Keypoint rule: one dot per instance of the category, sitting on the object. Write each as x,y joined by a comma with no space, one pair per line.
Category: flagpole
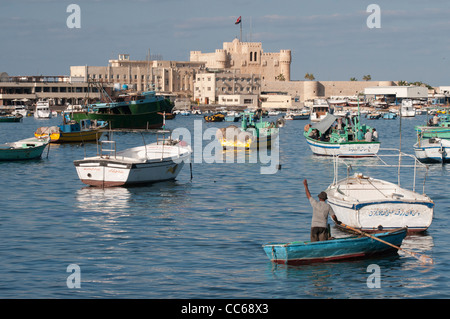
240,24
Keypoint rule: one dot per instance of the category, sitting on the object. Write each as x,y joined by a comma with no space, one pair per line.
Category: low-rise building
60,89
209,86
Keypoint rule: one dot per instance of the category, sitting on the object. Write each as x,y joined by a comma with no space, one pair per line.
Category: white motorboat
20,109
43,110
319,110
407,109
303,114
159,161
372,205
432,150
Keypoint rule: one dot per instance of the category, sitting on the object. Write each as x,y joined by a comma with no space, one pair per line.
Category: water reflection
103,200
118,200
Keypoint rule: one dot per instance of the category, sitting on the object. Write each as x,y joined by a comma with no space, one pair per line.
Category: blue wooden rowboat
300,252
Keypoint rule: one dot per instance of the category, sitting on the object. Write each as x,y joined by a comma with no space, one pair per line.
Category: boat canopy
325,124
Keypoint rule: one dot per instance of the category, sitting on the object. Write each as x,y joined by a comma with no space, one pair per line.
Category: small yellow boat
85,131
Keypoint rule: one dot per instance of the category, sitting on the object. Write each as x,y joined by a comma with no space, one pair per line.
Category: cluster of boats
382,212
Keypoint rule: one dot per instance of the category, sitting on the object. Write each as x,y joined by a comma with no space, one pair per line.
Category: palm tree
309,76
353,79
402,83
280,77
367,77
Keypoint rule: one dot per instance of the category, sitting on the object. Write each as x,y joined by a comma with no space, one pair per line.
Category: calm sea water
198,238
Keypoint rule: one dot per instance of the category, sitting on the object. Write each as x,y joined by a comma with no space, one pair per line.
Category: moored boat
85,131
389,116
438,126
10,117
159,161
43,110
319,110
407,108
372,205
340,136
30,148
297,115
305,252
432,150
251,135
21,109
218,117
129,111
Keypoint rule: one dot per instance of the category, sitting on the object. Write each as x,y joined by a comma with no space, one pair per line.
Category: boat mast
400,147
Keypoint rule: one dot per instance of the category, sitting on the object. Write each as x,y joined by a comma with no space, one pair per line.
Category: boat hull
109,173
150,120
436,152
73,137
298,253
11,118
346,149
146,112
373,205
22,150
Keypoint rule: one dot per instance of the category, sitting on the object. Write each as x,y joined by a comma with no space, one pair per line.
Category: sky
329,38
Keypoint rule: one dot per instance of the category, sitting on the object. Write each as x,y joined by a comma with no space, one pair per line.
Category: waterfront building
61,90
175,77
394,94
209,86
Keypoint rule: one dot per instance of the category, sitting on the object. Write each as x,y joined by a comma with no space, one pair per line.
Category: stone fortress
247,58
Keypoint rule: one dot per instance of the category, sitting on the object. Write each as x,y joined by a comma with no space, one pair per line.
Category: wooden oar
423,258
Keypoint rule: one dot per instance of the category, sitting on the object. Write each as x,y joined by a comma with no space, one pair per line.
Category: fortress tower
248,58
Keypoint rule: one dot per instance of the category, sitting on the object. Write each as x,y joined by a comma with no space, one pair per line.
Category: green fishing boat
254,133
129,111
438,126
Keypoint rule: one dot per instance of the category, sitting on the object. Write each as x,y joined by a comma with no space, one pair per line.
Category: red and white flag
238,20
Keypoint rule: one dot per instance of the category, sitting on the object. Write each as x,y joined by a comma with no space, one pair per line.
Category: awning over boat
325,124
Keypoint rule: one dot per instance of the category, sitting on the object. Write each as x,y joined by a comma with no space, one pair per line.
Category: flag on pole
238,20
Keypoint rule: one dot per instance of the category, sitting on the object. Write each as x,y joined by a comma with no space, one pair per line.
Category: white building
209,86
407,92
279,101
246,100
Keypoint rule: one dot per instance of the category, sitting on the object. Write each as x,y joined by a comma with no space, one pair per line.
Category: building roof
398,91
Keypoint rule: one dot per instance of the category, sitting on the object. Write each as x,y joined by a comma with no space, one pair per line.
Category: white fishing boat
407,109
159,161
340,136
432,150
43,110
319,110
372,205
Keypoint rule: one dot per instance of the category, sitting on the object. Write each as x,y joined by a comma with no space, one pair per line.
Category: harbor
216,216
220,159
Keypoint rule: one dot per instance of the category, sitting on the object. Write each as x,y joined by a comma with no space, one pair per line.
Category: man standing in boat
321,210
